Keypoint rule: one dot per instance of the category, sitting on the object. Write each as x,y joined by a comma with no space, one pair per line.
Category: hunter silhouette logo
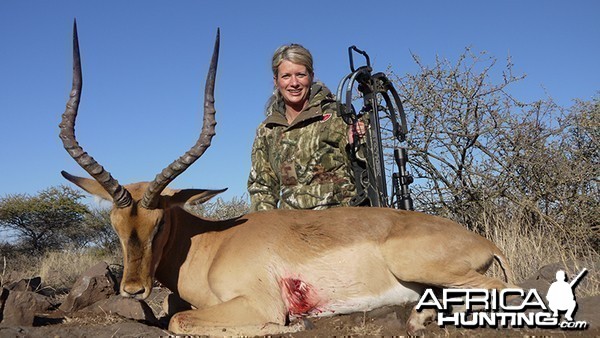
515,308
561,296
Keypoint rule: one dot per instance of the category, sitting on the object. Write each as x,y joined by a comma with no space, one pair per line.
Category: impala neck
183,228
174,251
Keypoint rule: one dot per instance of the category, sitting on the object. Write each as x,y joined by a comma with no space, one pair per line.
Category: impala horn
152,194
121,197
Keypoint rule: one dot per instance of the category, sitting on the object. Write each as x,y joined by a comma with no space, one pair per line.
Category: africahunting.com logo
516,308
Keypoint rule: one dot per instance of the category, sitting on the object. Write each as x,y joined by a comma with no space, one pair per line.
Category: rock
21,307
96,284
32,284
546,275
588,309
3,297
126,307
540,285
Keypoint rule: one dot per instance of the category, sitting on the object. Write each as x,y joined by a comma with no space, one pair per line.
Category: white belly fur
351,279
395,296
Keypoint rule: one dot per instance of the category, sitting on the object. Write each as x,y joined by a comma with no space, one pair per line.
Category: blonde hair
294,53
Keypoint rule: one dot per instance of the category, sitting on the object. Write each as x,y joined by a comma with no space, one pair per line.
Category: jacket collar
318,94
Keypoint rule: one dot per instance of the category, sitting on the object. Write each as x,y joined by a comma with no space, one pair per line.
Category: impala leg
234,317
418,320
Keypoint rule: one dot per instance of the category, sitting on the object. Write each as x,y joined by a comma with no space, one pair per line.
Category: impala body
255,273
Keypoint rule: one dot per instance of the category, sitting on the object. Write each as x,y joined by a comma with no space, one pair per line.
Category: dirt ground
388,321
359,324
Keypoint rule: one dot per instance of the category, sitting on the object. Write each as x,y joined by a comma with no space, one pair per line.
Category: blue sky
144,65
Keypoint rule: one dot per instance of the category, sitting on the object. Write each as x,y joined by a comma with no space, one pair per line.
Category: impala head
138,211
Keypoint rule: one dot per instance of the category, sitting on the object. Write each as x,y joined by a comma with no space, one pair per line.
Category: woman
300,153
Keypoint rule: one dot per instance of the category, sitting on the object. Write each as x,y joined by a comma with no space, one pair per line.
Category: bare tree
221,209
476,149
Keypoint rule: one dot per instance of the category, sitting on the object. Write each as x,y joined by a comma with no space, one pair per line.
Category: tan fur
232,272
255,274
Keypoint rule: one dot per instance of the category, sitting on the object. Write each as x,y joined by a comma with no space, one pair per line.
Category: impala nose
133,290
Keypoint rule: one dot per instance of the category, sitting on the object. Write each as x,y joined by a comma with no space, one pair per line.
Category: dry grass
94,319
16,267
61,269
529,248
57,269
366,328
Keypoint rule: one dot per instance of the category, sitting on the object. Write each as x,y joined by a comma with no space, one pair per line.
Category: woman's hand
356,130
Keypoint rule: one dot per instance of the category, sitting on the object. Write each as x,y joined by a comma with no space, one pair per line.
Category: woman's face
293,82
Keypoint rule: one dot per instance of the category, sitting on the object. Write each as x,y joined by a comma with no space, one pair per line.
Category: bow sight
368,162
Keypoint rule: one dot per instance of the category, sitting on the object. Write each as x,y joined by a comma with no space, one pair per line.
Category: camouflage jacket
304,165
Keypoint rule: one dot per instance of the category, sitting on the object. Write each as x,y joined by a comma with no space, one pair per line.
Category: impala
259,272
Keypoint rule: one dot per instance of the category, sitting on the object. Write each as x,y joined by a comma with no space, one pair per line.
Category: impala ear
194,196
89,185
